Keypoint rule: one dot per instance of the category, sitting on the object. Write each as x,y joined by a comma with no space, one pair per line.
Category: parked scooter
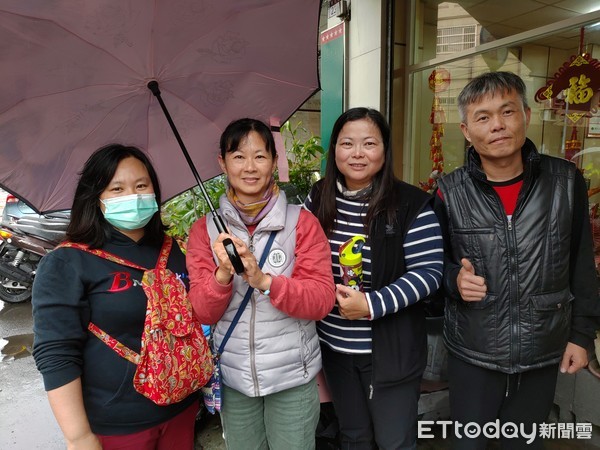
22,245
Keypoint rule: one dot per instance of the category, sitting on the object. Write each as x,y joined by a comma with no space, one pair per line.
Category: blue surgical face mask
130,212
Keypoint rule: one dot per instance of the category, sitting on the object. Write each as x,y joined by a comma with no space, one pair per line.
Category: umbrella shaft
153,86
234,257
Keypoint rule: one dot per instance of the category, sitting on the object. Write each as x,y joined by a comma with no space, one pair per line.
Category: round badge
277,258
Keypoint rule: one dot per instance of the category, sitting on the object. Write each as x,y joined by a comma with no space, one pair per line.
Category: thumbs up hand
472,287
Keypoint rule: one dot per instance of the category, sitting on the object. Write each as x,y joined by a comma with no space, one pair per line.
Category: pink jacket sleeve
310,292
209,298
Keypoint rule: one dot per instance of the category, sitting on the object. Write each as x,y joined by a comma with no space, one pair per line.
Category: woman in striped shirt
373,342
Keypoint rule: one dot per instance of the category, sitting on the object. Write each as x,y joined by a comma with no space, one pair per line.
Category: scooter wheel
18,294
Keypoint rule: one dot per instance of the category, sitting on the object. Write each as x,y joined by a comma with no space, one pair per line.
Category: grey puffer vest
268,351
524,320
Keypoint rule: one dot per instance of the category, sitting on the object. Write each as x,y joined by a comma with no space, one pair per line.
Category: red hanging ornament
572,145
439,80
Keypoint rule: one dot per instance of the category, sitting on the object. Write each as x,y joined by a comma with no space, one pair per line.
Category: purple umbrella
75,76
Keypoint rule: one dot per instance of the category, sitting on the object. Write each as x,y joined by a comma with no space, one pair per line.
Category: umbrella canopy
74,77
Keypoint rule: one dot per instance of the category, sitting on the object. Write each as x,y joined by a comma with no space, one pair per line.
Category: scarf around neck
252,213
360,194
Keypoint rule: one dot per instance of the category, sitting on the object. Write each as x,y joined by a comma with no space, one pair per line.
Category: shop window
455,39
556,127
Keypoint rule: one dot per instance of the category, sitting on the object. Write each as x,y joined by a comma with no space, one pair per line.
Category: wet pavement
26,420
209,434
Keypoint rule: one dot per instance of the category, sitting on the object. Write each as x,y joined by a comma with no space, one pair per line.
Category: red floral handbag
175,358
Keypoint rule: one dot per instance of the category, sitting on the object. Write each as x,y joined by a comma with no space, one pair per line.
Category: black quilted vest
524,320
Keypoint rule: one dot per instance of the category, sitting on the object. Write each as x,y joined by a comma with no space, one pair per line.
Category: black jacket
538,266
399,341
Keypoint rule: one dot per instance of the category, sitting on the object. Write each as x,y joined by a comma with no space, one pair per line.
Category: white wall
365,54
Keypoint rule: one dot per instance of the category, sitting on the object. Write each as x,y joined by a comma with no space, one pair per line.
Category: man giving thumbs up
521,288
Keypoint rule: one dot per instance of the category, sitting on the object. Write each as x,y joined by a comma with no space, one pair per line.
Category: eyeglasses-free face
359,153
249,168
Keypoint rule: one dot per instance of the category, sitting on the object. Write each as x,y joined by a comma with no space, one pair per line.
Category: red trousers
174,434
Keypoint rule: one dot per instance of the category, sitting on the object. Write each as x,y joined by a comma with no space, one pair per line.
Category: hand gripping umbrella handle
234,257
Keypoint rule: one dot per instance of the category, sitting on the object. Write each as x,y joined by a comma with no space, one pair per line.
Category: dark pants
481,396
387,420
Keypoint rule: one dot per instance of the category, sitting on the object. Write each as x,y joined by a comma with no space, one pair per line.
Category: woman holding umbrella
270,397
374,340
90,387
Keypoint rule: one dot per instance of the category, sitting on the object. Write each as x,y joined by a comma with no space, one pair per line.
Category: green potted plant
180,213
304,154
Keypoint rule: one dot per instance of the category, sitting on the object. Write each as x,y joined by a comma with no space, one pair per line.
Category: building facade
411,58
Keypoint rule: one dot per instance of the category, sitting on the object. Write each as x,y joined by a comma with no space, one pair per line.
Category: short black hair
88,225
490,83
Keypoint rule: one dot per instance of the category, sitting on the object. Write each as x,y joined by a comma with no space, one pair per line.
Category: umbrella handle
234,257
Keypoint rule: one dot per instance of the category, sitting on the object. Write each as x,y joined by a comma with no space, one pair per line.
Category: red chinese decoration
439,80
578,79
574,86
573,145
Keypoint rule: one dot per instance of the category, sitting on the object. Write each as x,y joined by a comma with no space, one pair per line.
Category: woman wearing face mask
270,397
90,387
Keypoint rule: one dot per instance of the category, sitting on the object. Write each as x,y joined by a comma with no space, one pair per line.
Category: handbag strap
160,264
246,299
121,349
